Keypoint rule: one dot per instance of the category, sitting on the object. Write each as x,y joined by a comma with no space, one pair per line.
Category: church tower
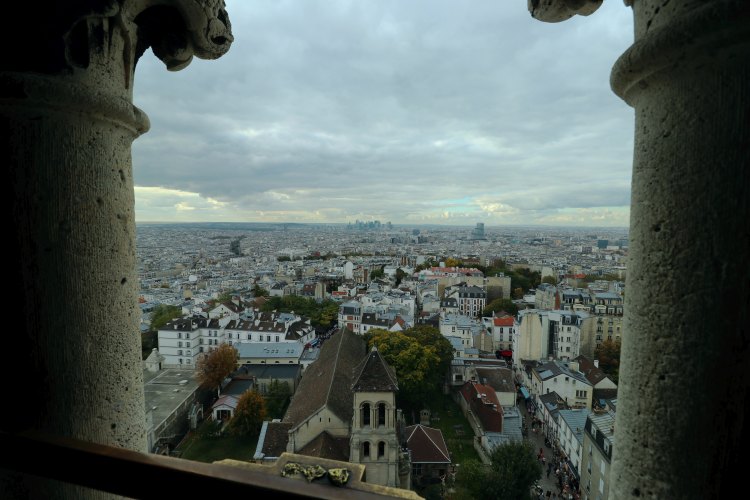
374,439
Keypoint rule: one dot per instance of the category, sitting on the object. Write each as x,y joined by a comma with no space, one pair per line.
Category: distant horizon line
382,224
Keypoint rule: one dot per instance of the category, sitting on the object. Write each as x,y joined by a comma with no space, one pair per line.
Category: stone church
345,409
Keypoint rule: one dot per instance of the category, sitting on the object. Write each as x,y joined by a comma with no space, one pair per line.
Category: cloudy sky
414,112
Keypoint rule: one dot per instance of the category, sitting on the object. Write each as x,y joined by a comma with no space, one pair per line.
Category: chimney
596,363
574,366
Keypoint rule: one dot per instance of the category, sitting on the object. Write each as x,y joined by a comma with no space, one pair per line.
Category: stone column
67,123
684,371
684,374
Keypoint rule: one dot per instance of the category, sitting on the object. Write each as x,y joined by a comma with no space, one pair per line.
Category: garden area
446,415
208,443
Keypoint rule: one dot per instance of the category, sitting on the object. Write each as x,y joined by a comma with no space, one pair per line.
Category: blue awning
524,392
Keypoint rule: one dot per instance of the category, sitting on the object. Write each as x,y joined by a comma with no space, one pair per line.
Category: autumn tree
608,354
510,475
249,415
452,262
498,305
214,366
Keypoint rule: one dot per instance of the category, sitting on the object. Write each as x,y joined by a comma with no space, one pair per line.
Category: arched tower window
366,449
381,449
366,414
381,414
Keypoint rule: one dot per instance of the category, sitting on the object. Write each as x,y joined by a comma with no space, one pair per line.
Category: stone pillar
684,371
67,122
684,374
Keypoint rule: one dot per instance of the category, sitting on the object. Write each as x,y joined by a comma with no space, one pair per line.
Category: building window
179,344
187,344
366,449
179,335
381,414
366,415
381,449
249,337
187,361
277,338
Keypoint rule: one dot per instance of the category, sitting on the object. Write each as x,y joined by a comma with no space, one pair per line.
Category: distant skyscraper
478,232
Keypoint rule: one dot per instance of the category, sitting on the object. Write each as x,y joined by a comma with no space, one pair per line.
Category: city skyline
421,113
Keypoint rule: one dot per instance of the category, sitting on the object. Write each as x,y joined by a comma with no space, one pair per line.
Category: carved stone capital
554,11
98,42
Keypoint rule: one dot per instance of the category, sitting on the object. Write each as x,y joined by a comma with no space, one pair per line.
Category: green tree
608,354
320,313
420,357
431,336
162,314
259,291
498,305
213,367
377,273
425,265
400,275
510,476
277,398
518,293
249,415
550,279
452,262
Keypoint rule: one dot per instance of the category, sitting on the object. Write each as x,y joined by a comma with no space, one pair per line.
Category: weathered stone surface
684,377
554,11
67,123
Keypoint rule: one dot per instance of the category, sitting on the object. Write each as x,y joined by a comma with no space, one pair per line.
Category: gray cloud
402,111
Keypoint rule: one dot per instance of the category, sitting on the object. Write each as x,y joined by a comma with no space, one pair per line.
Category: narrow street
549,481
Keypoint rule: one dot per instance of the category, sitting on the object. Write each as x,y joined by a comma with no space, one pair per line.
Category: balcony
167,477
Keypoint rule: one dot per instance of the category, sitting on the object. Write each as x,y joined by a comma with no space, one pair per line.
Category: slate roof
427,445
500,379
270,349
374,374
328,380
326,446
576,420
237,387
555,368
275,439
